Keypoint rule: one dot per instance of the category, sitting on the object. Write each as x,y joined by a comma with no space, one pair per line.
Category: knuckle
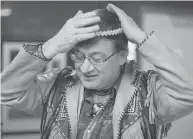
81,16
75,32
71,32
76,38
80,23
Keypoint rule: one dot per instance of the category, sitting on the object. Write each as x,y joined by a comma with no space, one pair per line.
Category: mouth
89,77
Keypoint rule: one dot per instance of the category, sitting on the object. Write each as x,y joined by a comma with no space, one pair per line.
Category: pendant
96,108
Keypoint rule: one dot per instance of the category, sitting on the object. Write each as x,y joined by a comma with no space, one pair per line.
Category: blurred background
37,21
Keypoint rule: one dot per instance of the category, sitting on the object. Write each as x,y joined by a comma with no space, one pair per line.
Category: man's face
100,76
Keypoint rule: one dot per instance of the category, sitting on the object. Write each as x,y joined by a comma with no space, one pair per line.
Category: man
105,97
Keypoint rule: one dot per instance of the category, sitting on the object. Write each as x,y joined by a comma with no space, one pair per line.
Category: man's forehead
101,46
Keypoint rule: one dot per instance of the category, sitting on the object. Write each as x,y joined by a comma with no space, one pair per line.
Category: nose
86,66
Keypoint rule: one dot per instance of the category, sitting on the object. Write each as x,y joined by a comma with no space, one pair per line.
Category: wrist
47,49
140,37
144,39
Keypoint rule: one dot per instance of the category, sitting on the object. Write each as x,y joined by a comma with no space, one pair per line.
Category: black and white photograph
96,70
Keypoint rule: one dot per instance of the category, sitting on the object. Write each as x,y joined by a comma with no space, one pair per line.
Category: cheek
112,66
110,72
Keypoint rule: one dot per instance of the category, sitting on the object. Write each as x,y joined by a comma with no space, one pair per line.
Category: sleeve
170,88
23,84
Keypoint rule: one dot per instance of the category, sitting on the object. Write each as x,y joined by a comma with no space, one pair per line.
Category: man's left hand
133,33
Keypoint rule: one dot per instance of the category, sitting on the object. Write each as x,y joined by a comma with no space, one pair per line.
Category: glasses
79,58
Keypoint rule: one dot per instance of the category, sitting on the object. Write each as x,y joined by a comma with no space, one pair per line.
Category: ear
123,57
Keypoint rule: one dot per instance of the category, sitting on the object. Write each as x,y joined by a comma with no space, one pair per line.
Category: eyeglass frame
89,58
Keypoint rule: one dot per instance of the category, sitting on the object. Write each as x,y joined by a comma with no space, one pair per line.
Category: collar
124,94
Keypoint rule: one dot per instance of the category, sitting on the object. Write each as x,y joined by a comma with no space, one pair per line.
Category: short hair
109,21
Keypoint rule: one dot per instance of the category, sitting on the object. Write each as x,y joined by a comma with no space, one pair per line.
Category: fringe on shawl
163,130
145,127
141,129
134,131
151,88
152,78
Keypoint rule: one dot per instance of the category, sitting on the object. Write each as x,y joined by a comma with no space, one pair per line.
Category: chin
90,85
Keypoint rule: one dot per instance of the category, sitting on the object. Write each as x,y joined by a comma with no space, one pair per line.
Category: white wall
174,27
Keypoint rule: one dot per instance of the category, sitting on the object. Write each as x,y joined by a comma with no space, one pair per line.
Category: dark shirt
99,125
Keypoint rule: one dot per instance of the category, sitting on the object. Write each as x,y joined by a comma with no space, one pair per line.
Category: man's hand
71,33
133,33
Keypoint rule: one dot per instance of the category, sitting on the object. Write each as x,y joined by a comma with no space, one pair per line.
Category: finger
87,29
86,36
88,14
110,9
79,12
87,21
120,13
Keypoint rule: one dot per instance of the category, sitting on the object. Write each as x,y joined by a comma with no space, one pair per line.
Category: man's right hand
71,33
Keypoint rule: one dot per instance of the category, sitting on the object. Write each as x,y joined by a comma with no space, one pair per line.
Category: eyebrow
95,53
92,53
